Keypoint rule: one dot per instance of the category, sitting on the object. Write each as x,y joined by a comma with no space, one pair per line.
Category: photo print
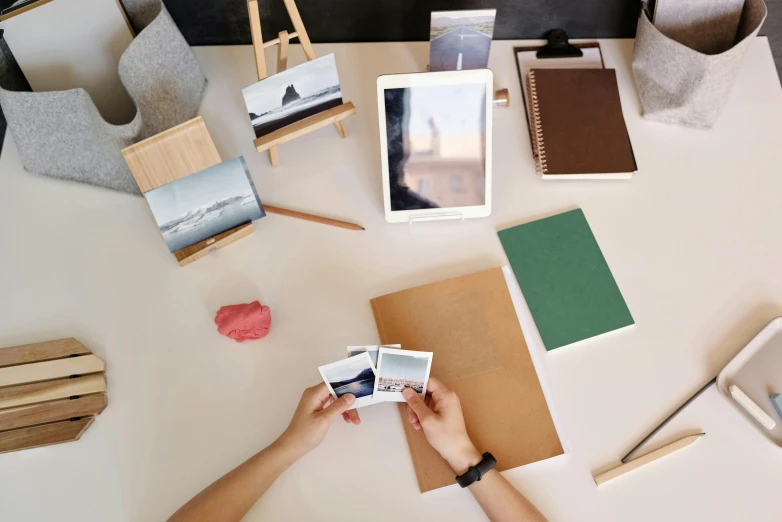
400,369
354,375
436,139
293,94
371,350
202,205
460,40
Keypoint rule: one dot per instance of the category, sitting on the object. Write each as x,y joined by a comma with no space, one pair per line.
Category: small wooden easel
334,115
173,154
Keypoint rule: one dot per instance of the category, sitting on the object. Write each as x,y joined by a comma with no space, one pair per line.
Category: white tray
757,370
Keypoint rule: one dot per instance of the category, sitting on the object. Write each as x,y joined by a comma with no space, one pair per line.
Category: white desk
693,241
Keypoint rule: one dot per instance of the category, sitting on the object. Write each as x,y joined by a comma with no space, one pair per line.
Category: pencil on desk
309,217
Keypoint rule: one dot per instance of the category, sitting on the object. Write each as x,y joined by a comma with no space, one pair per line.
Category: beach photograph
400,369
202,205
460,40
293,94
436,138
354,375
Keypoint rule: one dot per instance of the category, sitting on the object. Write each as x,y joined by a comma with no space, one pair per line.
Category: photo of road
460,40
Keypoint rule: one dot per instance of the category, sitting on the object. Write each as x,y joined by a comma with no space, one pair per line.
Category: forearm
497,497
231,497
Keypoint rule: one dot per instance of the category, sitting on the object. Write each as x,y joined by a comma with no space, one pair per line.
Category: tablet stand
334,115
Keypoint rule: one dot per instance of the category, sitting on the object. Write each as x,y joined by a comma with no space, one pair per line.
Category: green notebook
565,279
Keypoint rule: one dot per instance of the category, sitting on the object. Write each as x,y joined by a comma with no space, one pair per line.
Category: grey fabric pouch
62,135
679,84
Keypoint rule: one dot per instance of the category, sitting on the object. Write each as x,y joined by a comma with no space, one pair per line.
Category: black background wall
225,22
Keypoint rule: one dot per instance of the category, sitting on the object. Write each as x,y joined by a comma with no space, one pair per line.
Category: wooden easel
171,155
334,115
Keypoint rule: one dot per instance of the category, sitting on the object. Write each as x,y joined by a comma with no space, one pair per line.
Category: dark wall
211,22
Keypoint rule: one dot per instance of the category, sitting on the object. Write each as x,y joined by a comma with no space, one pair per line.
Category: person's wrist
464,456
287,449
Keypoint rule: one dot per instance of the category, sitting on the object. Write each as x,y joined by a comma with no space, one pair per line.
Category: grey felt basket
61,134
678,84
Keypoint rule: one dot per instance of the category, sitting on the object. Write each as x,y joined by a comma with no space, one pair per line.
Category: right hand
440,416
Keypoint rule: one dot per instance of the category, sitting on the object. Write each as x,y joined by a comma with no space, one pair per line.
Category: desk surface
693,242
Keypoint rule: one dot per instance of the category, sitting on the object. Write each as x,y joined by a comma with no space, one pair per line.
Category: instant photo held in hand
372,379
354,375
372,350
435,144
400,369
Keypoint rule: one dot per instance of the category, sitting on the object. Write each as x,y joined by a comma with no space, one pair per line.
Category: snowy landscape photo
204,204
293,94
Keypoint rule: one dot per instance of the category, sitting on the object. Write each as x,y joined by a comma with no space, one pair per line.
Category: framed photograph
202,205
354,375
460,40
293,94
371,350
400,369
435,144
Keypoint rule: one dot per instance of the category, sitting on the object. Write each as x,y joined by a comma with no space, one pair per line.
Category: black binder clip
558,46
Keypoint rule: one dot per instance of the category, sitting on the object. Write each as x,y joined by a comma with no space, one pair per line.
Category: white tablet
435,144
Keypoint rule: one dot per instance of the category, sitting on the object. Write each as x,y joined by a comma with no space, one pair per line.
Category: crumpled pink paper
244,322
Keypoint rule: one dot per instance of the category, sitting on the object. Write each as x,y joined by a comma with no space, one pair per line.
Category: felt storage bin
690,84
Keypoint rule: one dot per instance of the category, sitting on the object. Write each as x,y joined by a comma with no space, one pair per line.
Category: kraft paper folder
472,326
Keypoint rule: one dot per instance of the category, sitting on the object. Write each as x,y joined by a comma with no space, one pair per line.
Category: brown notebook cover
578,123
479,351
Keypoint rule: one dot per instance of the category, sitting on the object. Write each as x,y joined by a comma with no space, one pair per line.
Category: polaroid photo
293,94
398,369
371,350
460,40
202,205
354,375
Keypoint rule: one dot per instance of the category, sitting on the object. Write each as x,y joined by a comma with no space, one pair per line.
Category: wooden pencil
646,459
309,217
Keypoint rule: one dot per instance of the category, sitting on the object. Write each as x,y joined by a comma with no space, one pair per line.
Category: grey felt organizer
61,134
686,62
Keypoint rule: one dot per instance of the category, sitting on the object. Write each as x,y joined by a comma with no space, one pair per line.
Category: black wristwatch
475,473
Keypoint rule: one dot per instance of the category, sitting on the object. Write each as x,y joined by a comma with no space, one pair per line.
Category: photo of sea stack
293,94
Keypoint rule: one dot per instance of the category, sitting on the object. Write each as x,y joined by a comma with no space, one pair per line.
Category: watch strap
476,472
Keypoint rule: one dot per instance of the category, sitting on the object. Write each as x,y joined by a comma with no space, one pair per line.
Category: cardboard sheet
471,325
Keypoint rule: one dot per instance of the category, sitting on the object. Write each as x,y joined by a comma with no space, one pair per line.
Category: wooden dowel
646,459
309,217
291,36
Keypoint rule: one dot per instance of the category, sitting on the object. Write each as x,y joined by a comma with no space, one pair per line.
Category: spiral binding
540,148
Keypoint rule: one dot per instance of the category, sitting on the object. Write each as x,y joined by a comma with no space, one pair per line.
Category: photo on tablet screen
436,141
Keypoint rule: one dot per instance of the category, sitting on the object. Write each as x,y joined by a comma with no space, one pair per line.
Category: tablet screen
436,139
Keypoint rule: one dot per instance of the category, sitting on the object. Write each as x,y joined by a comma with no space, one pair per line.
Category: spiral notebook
577,125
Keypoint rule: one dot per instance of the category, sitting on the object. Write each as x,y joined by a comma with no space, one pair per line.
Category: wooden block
51,411
173,154
50,390
299,128
195,252
45,351
43,435
646,459
255,31
48,370
304,38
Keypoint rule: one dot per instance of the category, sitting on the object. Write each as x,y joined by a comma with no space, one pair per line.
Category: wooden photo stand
334,115
171,155
50,393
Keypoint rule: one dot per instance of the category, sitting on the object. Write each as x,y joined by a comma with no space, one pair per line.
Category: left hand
312,419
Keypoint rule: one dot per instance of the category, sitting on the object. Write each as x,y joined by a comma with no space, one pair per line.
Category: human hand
312,419
440,416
